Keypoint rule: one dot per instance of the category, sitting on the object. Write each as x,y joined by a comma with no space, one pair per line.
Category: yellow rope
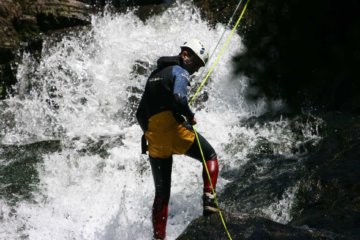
220,54
212,187
192,101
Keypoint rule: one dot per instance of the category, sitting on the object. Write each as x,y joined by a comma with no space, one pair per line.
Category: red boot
209,204
159,216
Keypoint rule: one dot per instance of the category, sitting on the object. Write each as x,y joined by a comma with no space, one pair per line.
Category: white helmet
198,48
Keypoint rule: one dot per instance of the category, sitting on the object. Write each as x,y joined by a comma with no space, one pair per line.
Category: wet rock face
218,11
303,55
49,15
8,37
246,227
23,20
19,175
126,2
328,197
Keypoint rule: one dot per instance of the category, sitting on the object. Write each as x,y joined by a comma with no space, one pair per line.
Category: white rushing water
88,76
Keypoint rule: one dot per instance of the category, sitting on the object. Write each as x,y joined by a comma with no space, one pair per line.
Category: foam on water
79,92
280,211
86,77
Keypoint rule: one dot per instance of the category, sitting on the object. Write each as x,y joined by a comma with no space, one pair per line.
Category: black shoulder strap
144,146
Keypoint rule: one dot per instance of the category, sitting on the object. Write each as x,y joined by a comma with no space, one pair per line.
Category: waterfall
80,100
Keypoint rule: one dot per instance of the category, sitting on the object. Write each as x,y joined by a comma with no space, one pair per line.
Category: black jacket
159,94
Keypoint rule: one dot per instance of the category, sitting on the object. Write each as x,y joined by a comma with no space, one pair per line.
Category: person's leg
161,170
213,168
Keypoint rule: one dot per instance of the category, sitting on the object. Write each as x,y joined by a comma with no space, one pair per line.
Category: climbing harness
198,90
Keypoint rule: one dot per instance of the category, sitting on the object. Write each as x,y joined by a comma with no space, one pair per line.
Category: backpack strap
144,146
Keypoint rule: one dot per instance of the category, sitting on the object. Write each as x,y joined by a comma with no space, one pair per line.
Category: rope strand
220,54
196,93
222,36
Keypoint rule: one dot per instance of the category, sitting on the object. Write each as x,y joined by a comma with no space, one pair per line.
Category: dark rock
304,56
101,146
262,181
328,197
327,193
23,21
6,55
218,11
7,79
18,174
125,2
246,227
142,8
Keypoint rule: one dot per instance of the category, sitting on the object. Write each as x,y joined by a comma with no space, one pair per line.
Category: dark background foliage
305,52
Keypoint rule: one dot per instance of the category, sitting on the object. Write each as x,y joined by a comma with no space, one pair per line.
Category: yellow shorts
166,136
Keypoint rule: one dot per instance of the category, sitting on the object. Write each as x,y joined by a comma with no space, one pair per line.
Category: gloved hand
193,121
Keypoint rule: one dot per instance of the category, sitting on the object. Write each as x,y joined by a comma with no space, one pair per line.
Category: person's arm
181,82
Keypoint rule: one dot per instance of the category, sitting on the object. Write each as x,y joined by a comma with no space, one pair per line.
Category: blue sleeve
181,82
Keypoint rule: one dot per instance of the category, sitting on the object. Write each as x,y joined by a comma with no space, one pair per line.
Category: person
166,119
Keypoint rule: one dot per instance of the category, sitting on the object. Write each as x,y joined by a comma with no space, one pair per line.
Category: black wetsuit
161,96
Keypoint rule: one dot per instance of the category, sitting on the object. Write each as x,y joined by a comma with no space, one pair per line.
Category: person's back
158,95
